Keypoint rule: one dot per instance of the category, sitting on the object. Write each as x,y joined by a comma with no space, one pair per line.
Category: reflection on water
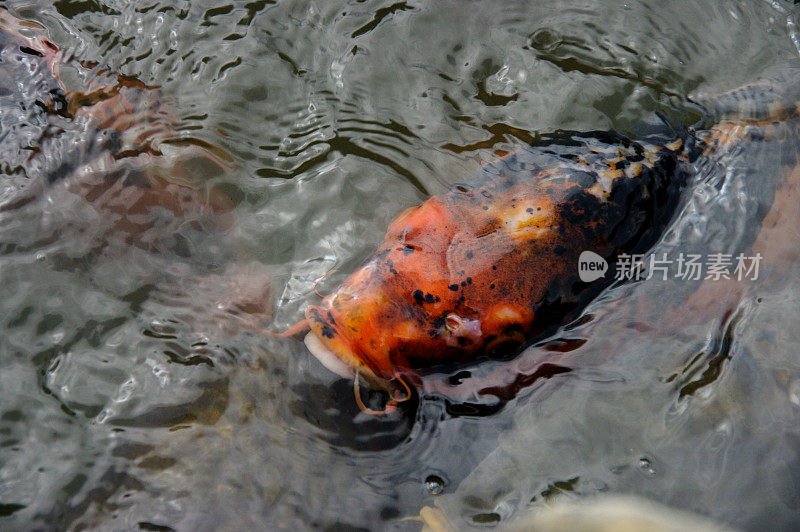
134,394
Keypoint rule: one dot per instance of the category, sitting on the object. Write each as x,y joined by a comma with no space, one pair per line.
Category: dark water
131,393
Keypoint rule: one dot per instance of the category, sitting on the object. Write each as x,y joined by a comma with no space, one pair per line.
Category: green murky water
131,395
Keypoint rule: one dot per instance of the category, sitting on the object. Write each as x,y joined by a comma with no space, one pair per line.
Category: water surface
132,396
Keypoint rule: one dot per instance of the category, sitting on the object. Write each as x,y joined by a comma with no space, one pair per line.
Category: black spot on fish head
419,297
327,331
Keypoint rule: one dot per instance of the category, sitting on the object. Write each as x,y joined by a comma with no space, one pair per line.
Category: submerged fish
111,143
119,147
492,264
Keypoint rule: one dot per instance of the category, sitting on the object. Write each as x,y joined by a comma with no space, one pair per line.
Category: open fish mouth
336,353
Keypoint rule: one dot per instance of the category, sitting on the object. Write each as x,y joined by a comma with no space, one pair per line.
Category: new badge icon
591,266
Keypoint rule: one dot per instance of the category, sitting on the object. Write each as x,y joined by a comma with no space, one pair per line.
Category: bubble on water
646,465
434,484
545,39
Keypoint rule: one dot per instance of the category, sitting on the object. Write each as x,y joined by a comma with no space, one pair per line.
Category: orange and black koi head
418,301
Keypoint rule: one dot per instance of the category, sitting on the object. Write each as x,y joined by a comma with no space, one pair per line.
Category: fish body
491,265
481,270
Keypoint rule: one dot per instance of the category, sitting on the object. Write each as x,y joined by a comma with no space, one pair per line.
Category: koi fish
134,163
491,265
112,142
483,269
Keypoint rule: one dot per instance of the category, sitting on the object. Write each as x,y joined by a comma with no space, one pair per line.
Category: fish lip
327,356
339,357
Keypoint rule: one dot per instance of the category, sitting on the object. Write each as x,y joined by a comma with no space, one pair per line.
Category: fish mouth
328,358
334,350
